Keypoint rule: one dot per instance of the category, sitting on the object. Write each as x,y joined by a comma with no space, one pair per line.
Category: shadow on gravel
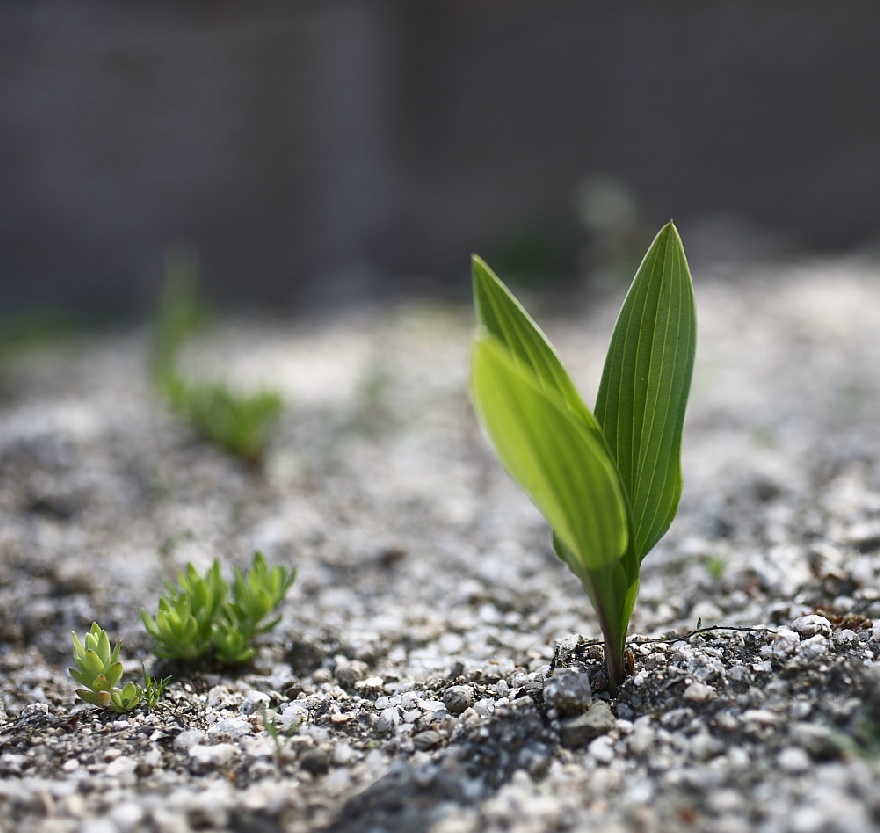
412,797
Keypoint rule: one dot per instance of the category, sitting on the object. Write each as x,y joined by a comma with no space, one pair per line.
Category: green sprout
197,618
716,566
240,424
180,315
99,670
153,689
608,484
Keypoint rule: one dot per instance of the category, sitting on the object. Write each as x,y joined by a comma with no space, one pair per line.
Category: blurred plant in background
608,213
238,423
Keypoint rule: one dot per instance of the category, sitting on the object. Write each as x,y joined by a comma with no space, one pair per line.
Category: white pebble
292,718
219,755
121,766
187,739
601,749
793,759
231,728
642,739
808,626
738,757
127,815
739,673
815,646
484,707
254,701
388,720
845,637
342,754
761,716
699,693
785,643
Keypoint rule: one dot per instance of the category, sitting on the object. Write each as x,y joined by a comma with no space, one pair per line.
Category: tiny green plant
180,315
99,670
607,482
197,618
716,565
240,424
153,689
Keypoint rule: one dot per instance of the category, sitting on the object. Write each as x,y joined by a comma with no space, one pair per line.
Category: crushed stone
436,667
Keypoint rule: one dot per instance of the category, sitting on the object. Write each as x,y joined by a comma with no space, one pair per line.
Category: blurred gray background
317,153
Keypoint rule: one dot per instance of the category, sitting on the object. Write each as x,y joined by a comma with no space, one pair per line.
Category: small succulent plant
197,617
99,670
238,423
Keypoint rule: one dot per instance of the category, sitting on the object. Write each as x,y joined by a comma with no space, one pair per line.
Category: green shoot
609,484
24,332
196,618
239,424
153,689
99,671
716,566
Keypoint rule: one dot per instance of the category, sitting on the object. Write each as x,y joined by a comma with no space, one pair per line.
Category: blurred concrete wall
322,150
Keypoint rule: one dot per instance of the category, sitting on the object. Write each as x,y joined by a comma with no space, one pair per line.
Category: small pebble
293,717
315,761
595,721
231,728
601,749
568,692
794,760
254,701
815,646
699,693
458,698
349,673
388,720
808,626
426,740
785,643
220,755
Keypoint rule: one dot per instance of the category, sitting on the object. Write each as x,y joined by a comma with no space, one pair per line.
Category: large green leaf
645,386
504,318
560,463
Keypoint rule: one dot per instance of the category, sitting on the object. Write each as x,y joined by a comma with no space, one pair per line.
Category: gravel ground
436,667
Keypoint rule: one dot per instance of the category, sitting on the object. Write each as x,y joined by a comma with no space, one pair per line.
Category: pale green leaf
645,386
503,317
555,458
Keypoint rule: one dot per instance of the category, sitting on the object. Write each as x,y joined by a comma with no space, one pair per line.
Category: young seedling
99,671
608,484
196,617
184,625
239,424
